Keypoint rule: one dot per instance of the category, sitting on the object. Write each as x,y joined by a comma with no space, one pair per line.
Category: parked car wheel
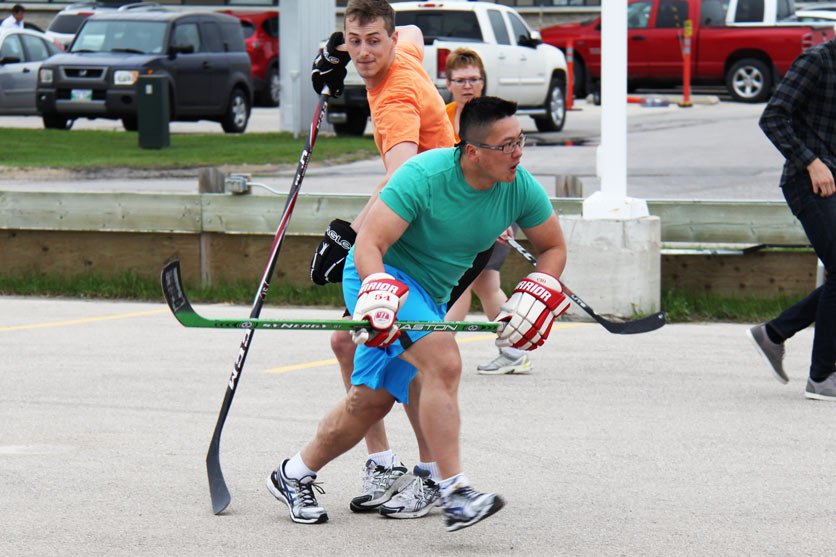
749,80
131,123
272,90
555,108
56,122
355,123
237,112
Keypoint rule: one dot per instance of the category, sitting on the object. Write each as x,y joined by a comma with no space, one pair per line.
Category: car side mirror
9,60
536,38
530,42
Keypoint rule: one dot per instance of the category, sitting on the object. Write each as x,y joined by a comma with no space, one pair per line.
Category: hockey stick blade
643,325
172,284
188,317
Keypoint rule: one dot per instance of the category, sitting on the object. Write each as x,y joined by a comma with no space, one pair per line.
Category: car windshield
141,37
68,23
436,24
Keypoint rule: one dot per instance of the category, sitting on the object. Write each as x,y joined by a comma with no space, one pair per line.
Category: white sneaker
416,499
298,495
379,485
505,363
465,507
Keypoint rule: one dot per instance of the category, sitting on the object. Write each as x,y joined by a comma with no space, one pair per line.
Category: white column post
612,200
302,27
614,248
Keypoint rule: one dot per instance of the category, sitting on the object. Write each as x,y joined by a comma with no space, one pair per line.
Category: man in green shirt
438,211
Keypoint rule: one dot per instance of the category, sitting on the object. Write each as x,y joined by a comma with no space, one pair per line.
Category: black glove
329,259
329,66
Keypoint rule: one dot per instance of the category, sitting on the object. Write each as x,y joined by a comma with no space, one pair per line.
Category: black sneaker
465,507
298,495
774,353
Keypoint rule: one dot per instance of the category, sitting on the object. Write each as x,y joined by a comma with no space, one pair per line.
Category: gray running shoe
465,507
504,364
824,390
416,499
379,485
298,495
774,353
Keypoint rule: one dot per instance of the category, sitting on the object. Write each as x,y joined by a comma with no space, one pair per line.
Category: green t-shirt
449,221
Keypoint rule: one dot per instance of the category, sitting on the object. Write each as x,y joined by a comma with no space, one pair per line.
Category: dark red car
261,34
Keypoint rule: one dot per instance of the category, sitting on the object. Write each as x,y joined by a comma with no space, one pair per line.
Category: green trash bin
152,111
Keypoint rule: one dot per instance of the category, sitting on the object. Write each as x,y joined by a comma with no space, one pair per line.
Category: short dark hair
480,113
17,8
366,11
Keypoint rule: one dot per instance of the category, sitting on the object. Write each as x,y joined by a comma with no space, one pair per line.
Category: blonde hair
462,58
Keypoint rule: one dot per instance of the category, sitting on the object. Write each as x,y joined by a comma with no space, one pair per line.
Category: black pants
818,217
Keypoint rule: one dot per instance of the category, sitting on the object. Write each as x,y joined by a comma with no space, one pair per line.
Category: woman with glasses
466,81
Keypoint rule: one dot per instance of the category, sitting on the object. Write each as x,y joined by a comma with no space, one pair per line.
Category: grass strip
96,149
679,306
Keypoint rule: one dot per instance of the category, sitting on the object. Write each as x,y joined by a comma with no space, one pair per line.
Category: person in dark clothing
800,120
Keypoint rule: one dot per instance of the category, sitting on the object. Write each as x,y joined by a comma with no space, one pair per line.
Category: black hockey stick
188,317
643,325
217,485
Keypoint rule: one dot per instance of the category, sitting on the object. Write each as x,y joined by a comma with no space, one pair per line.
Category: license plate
81,95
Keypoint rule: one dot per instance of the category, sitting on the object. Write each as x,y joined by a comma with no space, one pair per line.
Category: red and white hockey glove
381,296
525,319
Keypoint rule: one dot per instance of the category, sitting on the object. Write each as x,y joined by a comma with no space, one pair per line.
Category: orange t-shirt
451,114
406,106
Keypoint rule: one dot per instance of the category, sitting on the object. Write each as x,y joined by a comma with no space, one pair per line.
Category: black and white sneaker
298,495
379,485
465,507
416,499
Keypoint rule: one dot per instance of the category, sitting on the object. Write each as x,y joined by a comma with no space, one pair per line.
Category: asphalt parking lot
676,442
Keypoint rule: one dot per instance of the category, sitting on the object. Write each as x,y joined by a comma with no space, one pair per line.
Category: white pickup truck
518,66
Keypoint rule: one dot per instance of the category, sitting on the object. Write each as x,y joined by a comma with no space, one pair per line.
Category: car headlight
125,77
46,76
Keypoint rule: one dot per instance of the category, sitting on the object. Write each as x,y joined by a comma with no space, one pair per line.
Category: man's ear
470,153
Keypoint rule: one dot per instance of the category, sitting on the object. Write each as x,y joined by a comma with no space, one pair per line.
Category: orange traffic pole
570,70
686,66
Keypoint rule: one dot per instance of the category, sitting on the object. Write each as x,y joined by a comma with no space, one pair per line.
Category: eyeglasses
506,148
468,80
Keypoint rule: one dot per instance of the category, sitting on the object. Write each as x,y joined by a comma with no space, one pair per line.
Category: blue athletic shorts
380,367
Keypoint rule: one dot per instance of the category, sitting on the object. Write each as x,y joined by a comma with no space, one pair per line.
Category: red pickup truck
748,60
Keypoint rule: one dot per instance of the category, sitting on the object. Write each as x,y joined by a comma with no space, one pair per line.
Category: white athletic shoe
379,485
465,507
504,364
298,495
416,499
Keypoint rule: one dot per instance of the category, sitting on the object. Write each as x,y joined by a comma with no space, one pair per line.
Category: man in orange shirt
409,117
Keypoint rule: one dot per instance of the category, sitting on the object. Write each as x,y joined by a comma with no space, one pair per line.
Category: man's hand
329,258
381,296
526,318
822,178
329,66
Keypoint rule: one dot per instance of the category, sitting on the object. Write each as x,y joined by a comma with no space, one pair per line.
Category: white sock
511,352
297,469
432,468
385,458
450,485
